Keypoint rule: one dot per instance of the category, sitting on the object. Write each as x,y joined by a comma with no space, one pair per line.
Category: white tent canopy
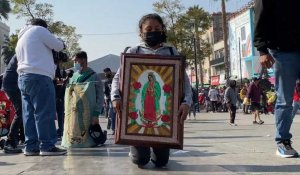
111,61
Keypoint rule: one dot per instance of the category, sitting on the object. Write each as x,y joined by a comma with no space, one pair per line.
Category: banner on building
215,80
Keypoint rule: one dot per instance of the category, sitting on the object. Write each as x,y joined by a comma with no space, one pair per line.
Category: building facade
244,58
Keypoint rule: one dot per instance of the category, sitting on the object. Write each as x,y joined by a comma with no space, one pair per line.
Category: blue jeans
38,102
112,117
296,106
287,70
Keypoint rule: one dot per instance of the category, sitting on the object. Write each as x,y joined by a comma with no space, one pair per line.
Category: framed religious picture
151,89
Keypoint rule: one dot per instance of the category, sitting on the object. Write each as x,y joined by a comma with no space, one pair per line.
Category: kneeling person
83,104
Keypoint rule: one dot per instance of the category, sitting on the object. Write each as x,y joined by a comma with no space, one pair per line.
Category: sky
109,26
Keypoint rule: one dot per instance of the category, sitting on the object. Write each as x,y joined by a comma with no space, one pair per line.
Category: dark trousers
214,106
245,108
60,111
232,112
193,108
142,155
16,131
106,107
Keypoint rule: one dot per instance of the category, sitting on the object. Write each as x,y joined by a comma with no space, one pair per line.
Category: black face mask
108,75
153,38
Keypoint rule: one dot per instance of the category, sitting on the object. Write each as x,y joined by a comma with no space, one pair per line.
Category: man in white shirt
36,71
213,95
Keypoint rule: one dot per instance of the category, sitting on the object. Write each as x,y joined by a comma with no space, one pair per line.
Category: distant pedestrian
296,99
213,95
254,95
230,98
194,104
111,123
243,97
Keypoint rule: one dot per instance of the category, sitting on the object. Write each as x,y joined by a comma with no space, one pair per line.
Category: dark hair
154,16
107,69
81,54
39,22
255,79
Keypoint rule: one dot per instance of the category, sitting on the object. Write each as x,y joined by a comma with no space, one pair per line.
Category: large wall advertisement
240,44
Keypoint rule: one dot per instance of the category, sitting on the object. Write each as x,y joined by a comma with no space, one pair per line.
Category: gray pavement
211,146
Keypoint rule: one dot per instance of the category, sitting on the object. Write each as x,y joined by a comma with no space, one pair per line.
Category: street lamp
240,61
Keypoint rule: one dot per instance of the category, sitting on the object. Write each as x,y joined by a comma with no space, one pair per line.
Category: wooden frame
156,82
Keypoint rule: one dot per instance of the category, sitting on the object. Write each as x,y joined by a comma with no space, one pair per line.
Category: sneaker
32,153
285,149
261,122
55,151
255,122
233,124
9,149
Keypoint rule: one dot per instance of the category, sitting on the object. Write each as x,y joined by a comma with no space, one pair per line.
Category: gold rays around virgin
165,72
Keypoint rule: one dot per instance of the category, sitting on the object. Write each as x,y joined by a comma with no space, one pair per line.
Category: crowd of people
40,91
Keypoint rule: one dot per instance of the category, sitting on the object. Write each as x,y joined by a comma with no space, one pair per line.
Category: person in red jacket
296,99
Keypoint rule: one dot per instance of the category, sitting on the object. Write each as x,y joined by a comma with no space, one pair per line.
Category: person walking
230,98
36,71
243,96
277,38
254,93
194,105
213,95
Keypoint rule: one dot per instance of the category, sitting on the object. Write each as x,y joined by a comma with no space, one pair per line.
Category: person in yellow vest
243,94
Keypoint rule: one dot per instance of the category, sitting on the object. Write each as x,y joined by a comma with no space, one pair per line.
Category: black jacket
10,77
277,25
107,87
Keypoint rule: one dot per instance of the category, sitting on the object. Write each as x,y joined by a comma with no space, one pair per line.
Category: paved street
211,146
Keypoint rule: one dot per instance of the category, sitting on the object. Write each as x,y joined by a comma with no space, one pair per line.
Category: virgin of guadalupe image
150,98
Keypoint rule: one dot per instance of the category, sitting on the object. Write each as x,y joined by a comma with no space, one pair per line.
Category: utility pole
195,59
240,62
225,38
200,60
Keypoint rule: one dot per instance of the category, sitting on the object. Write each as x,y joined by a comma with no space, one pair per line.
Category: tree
4,9
29,9
171,11
225,38
8,48
181,30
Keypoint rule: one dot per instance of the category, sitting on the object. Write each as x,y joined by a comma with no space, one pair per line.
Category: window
243,33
